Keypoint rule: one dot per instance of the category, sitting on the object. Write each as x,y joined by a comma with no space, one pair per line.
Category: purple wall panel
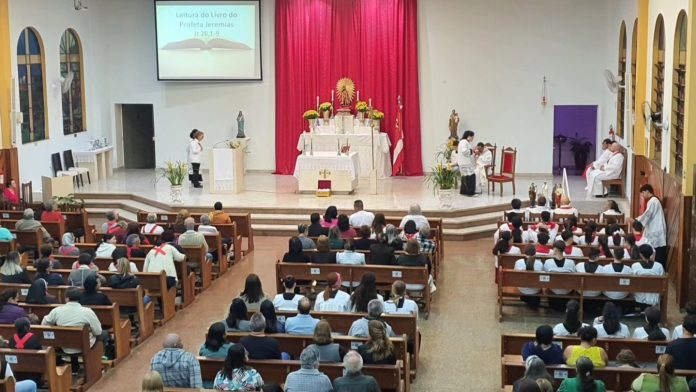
573,121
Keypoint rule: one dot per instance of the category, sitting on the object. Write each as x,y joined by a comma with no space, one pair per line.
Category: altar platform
277,208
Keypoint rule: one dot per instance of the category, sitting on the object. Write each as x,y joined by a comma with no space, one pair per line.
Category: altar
360,143
342,170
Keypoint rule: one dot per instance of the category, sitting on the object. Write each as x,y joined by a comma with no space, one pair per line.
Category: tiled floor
268,190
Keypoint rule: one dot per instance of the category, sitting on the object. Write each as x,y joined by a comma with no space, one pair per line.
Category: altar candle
317,102
358,95
332,102
370,104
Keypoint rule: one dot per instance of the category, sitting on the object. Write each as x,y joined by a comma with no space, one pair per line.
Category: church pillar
690,106
5,75
639,141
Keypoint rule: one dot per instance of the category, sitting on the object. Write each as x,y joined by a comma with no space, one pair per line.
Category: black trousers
196,178
661,256
468,186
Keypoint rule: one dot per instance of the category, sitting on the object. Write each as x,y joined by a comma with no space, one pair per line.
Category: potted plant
325,109
68,203
444,180
175,173
580,147
311,115
376,116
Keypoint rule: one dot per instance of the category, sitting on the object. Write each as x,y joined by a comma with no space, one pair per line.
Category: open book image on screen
197,43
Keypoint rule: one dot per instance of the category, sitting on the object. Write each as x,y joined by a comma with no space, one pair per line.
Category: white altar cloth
358,143
328,161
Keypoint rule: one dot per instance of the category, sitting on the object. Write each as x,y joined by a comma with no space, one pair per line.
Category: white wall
487,59
127,64
669,9
50,19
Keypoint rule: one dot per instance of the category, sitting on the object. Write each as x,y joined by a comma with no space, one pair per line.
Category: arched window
621,93
72,85
678,98
634,56
32,91
658,88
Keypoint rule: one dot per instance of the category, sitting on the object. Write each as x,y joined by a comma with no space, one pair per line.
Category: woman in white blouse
399,302
332,299
559,264
195,152
608,325
690,309
647,267
529,263
572,323
504,246
590,267
611,208
287,300
651,330
616,267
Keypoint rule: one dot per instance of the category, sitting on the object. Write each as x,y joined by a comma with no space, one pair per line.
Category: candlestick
317,102
311,146
332,103
358,95
338,145
370,103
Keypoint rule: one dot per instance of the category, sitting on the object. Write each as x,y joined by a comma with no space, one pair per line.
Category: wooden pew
55,229
510,280
23,289
8,385
507,261
615,378
645,351
57,378
72,338
109,317
29,239
196,254
7,246
155,285
294,344
385,274
244,229
388,377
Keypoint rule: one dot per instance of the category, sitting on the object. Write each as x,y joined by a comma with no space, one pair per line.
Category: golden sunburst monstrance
345,90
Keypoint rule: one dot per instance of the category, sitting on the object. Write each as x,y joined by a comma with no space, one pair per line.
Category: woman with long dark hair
38,293
235,374
651,331
587,348
295,252
9,310
572,323
273,325
378,224
608,325
560,264
584,380
330,218
504,245
215,345
378,349
346,232
529,263
364,293
253,293
237,317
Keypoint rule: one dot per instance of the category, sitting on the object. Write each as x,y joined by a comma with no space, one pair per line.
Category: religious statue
453,124
532,195
240,126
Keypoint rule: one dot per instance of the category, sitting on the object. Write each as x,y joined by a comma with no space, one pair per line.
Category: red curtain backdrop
373,42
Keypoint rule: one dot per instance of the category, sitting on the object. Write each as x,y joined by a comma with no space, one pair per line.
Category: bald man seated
178,368
609,171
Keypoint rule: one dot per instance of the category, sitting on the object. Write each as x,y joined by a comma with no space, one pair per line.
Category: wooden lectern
226,170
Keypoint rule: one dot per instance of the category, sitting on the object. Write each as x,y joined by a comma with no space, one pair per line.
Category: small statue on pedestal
454,125
240,126
532,195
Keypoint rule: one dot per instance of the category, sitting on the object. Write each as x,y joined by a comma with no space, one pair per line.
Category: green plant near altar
174,172
310,115
442,176
325,107
68,203
233,145
361,106
376,115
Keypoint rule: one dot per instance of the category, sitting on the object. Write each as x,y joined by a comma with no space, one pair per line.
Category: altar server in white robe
602,160
484,158
467,163
609,171
654,227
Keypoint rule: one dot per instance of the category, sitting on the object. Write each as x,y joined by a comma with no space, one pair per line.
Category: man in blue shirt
303,323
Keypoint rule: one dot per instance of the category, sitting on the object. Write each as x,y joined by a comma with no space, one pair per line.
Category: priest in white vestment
609,171
466,163
483,159
602,160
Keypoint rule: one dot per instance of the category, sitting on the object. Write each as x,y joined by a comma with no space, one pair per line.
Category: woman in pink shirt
10,193
330,217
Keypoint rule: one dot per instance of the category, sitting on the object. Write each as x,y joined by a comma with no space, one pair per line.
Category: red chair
508,160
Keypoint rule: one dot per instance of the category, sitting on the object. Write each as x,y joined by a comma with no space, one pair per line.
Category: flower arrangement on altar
443,177
376,115
233,145
310,115
325,107
449,149
174,172
361,106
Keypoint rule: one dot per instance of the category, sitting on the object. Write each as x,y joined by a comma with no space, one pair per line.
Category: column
641,78
5,75
690,106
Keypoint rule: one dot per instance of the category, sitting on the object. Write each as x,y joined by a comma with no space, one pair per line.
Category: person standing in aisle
195,151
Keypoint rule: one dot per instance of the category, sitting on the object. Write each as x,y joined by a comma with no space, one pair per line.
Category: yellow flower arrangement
376,115
325,106
174,172
361,106
443,177
310,115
